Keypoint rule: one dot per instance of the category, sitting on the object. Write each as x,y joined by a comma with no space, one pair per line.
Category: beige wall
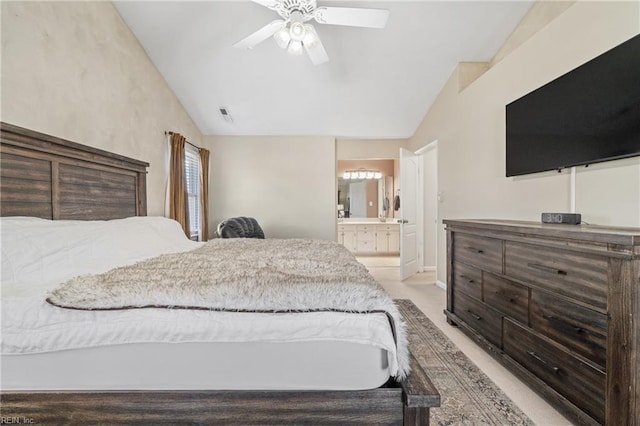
356,149
75,70
372,198
470,128
287,183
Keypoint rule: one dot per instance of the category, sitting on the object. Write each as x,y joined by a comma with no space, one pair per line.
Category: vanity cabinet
559,305
347,237
370,238
366,239
388,238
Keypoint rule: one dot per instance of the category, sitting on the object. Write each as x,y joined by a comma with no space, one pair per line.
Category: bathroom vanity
369,237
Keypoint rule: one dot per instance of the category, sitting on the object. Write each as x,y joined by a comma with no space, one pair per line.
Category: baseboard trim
441,284
428,268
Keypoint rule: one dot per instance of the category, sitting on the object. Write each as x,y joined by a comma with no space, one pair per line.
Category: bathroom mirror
365,198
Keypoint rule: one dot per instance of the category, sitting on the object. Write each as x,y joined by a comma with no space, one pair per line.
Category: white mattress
204,366
45,347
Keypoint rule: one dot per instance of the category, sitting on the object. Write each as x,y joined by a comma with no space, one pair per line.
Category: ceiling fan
294,34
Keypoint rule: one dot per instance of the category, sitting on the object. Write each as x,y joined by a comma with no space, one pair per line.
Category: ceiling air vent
226,116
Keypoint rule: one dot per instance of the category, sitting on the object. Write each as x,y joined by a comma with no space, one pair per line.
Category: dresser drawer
510,298
577,381
485,253
479,316
580,329
366,228
579,276
467,279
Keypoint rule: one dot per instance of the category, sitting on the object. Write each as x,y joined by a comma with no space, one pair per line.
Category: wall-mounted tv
589,115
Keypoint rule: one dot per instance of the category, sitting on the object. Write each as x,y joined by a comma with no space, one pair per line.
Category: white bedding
32,326
38,254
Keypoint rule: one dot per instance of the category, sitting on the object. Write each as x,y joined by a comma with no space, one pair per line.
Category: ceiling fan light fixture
297,31
310,38
295,47
282,37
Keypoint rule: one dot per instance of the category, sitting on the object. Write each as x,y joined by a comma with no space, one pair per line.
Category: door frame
431,146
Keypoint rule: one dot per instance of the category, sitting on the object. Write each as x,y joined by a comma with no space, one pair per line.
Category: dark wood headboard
52,178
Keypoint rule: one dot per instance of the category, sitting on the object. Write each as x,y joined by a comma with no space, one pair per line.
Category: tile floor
421,289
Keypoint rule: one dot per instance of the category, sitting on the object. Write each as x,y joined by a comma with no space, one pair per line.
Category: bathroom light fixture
362,174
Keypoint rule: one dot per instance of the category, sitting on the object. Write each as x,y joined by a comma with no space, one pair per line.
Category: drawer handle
547,268
469,280
478,318
475,250
506,295
542,362
565,325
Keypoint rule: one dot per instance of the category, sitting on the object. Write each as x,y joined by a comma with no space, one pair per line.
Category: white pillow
38,254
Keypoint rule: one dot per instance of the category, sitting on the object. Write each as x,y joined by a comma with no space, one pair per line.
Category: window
192,172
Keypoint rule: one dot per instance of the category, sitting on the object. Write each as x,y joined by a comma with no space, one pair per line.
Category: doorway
430,206
365,220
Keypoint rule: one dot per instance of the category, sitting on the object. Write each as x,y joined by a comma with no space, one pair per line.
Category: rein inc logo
16,420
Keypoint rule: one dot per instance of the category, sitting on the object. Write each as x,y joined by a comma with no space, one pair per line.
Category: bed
197,374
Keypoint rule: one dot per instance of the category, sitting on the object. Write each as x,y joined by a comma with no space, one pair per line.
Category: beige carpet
468,396
379,261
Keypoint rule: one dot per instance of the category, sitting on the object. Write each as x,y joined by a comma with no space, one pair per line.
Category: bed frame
52,178
49,177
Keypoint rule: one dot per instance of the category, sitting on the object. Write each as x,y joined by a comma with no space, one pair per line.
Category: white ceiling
378,83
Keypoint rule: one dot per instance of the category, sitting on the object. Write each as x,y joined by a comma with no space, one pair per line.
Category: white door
408,213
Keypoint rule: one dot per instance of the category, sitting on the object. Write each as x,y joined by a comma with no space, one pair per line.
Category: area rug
468,396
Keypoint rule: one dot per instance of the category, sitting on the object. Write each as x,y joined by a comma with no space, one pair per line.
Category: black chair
240,227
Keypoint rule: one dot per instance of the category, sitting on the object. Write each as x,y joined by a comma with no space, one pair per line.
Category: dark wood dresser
559,305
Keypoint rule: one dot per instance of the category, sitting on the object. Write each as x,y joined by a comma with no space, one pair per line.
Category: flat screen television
589,115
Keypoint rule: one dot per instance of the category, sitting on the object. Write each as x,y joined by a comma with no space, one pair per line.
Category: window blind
192,172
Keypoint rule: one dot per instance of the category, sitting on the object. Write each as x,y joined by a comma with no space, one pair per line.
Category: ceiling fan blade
355,17
259,36
317,54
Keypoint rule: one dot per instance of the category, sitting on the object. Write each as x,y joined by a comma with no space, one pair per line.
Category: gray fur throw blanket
240,227
242,275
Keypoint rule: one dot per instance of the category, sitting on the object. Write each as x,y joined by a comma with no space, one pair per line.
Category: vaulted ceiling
378,83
